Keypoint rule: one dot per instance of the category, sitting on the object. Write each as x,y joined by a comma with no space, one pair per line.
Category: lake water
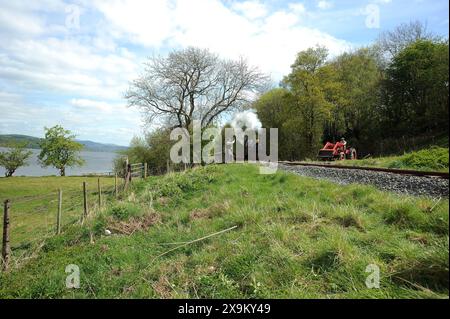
95,162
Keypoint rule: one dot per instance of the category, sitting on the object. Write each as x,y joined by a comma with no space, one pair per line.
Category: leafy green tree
16,156
159,144
275,110
59,149
308,82
153,149
416,90
380,97
355,96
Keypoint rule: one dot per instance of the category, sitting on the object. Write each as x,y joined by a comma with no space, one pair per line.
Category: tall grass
431,159
296,238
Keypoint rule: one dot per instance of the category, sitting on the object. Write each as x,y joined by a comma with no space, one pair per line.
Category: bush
124,211
175,186
153,149
434,158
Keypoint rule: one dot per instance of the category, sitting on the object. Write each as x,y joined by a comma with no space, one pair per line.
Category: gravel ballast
406,184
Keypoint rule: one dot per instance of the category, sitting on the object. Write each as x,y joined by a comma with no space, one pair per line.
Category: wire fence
28,221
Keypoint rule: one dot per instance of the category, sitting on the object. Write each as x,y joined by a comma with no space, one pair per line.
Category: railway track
443,175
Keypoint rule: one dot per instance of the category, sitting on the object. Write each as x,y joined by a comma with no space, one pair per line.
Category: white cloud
91,104
88,119
251,9
148,22
67,66
269,41
20,23
297,7
88,70
324,5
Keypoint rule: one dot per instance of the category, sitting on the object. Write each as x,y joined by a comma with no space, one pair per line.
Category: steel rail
444,175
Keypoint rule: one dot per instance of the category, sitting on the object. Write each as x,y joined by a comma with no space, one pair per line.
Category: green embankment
430,159
295,238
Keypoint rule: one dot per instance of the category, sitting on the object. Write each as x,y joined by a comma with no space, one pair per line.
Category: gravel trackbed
413,185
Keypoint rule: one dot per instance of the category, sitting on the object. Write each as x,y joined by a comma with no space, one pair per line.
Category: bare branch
193,84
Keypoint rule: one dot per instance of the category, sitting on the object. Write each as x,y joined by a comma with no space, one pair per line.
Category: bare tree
392,42
193,84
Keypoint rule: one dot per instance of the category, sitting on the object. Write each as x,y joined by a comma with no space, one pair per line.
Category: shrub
124,211
434,158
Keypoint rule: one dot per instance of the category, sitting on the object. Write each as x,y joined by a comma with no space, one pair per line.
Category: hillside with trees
387,98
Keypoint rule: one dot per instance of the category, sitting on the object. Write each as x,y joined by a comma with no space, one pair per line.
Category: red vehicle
336,151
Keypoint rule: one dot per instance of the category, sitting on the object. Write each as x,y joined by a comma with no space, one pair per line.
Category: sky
70,62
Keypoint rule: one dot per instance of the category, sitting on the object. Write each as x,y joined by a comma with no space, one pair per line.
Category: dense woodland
386,98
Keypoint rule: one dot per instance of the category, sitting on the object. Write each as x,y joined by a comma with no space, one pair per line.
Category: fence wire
33,219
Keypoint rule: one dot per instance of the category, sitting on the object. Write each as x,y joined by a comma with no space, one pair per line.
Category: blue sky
69,62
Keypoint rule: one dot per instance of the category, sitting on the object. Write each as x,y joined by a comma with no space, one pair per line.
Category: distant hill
100,147
33,142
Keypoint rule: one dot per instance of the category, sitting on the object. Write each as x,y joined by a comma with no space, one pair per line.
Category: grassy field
34,202
295,238
431,159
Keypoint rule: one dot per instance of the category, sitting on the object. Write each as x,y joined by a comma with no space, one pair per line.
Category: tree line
389,97
386,98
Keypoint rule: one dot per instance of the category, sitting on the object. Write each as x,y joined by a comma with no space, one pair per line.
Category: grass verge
431,159
295,238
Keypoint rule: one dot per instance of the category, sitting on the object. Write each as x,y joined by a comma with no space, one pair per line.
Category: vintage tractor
336,151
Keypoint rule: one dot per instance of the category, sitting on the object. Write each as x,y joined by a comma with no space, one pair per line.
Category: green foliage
430,159
356,82
322,100
275,109
154,149
175,186
123,211
309,83
14,158
421,70
380,105
434,158
59,149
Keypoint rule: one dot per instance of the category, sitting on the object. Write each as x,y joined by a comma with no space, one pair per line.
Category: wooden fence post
85,203
58,217
145,170
99,194
168,166
125,173
5,243
115,185
127,176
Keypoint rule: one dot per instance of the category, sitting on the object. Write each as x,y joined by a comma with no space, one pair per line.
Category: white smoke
246,119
